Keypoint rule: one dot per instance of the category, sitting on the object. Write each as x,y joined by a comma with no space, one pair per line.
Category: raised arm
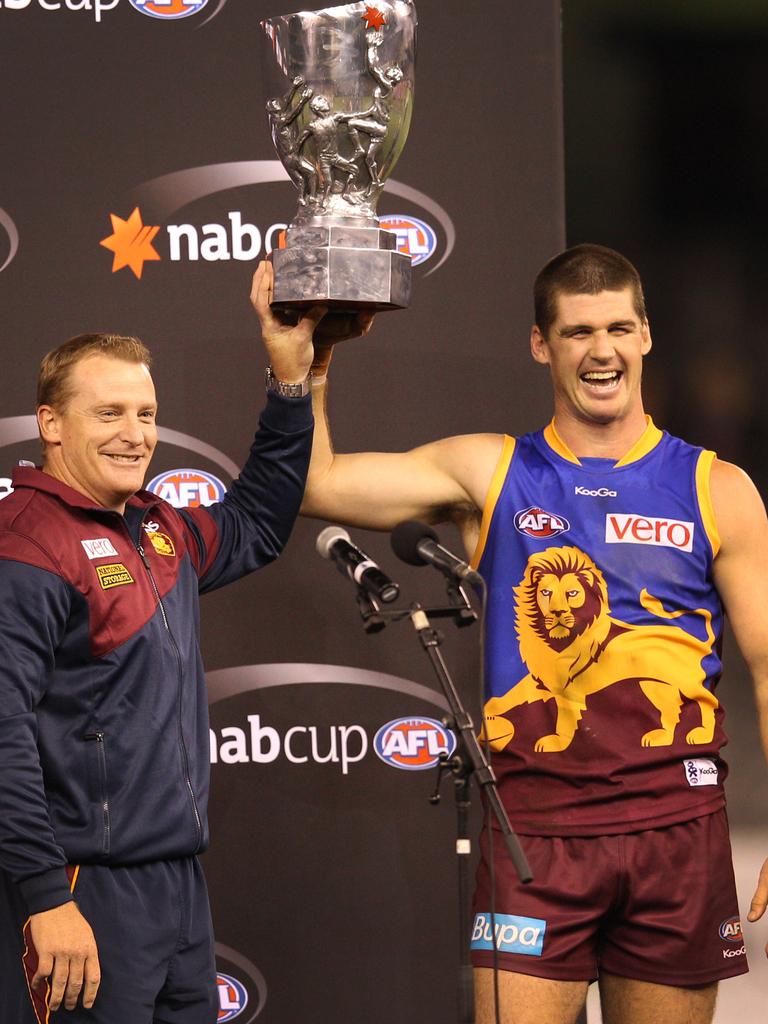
741,578
445,480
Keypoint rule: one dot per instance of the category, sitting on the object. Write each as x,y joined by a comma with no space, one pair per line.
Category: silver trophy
341,88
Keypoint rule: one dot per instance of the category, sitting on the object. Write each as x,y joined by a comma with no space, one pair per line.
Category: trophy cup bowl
340,83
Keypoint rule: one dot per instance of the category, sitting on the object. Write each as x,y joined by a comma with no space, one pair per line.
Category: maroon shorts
657,906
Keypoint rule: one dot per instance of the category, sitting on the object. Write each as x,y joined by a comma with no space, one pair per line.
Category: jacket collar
37,480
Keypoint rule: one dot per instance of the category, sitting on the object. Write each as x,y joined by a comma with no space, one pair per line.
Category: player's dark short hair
585,269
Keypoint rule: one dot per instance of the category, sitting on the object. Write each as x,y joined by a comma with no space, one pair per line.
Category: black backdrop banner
138,187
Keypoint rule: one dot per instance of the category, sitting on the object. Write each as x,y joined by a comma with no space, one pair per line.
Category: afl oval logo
413,743
187,488
535,522
414,238
730,930
169,9
233,998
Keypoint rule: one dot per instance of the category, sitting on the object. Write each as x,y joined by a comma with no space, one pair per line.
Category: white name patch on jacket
623,528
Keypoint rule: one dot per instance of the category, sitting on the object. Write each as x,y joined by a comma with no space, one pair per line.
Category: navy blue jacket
104,748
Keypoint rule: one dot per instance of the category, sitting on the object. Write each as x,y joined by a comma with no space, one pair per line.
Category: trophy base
344,268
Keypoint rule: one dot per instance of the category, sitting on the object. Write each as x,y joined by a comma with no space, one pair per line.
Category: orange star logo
373,17
131,242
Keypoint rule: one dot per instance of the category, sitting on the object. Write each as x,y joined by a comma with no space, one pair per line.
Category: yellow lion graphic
572,648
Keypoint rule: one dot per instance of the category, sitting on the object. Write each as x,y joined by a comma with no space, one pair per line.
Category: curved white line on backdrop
14,429
229,682
13,236
212,14
249,969
165,195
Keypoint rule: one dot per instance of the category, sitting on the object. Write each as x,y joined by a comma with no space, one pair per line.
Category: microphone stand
468,761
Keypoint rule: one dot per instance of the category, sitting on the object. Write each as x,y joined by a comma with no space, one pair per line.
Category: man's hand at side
66,952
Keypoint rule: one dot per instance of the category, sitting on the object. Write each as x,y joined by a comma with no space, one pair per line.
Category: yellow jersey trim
557,444
704,494
497,482
644,444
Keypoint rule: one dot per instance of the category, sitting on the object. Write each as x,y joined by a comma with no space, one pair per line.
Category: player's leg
190,994
545,933
676,931
627,1001
525,999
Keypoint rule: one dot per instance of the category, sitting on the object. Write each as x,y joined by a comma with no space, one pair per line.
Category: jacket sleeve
34,606
251,526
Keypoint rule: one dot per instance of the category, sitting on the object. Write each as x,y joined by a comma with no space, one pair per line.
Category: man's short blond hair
54,379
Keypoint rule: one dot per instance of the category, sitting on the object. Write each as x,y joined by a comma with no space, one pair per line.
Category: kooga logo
601,492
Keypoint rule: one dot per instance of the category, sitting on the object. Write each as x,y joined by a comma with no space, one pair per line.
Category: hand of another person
760,899
67,955
289,342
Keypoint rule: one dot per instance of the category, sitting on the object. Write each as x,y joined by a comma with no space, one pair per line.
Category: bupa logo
413,743
187,488
730,930
169,8
233,997
513,934
415,238
535,522
623,528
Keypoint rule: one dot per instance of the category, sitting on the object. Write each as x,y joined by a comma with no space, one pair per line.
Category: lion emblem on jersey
572,648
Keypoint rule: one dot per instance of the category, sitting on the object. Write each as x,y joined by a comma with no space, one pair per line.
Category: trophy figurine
341,82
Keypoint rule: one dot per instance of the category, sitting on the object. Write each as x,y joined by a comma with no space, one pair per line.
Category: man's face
594,350
101,442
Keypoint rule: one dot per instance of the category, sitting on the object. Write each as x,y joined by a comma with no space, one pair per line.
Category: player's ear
539,347
647,341
48,424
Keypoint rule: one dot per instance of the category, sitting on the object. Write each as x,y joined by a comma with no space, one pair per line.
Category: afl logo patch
730,930
169,9
536,522
413,743
187,488
415,238
233,997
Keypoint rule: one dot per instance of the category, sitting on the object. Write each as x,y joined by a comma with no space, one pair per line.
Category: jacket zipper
182,744
98,738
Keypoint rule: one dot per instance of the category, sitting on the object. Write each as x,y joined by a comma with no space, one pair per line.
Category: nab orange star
373,17
131,242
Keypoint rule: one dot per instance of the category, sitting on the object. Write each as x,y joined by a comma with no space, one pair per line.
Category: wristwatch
281,387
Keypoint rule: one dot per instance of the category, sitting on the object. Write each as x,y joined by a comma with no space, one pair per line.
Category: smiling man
611,551
104,761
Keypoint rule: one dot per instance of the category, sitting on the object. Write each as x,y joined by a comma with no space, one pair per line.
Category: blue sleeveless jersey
603,636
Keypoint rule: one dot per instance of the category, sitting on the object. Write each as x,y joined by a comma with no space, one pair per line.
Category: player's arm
741,578
444,480
447,479
35,604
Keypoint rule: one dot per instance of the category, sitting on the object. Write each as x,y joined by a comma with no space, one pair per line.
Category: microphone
335,543
417,544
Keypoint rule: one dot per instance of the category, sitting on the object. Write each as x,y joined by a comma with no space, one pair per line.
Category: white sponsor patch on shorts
700,771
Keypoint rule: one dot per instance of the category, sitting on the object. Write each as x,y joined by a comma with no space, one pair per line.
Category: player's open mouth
122,459
602,380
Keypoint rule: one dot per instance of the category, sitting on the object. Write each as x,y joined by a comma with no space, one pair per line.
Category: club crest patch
114,575
162,544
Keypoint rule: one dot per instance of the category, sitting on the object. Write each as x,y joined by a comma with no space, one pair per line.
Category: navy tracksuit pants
154,936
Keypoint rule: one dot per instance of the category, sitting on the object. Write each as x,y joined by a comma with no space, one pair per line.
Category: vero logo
621,528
